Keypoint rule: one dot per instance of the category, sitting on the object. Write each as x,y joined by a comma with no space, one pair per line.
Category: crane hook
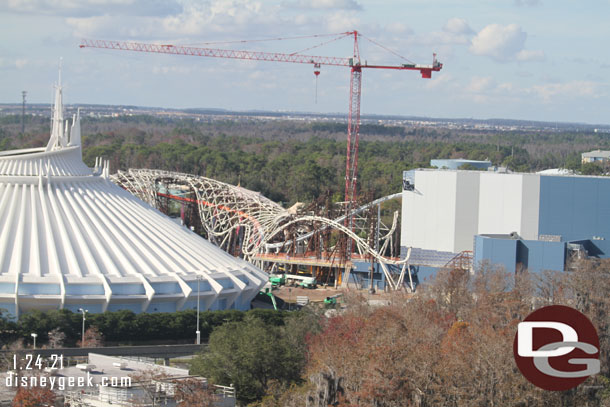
316,72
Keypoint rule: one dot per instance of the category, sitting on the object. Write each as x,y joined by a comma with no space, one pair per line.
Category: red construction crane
354,63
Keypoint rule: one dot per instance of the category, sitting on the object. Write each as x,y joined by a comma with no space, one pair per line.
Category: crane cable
386,48
268,39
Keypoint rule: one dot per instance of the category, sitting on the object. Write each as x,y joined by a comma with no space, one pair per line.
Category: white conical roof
71,238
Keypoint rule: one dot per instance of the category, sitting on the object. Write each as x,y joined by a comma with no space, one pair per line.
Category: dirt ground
289,294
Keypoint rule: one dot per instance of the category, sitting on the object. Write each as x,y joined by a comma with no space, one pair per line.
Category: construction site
352,244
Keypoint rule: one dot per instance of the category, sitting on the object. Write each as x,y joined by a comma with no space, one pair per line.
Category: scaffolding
247,224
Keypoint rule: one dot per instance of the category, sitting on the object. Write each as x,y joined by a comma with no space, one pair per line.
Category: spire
57,130
75,130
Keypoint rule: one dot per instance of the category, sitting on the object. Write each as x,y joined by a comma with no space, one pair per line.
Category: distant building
595,156
455,164
521,221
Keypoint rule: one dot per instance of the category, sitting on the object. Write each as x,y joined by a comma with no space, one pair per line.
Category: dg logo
556,348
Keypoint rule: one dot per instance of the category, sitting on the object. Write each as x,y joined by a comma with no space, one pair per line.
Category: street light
198,332
82,341
34,336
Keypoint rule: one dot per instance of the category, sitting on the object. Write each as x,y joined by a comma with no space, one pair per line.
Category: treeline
124,326
290,161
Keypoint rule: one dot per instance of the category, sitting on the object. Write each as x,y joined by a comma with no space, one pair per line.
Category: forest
295,161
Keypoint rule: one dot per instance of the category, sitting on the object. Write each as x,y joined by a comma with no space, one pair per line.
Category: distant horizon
309,113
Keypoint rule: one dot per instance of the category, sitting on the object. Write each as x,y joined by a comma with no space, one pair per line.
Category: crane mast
355,95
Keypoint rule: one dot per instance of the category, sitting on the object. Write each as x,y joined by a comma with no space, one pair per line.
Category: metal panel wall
576,208
429,211
509,203
495,252
466,210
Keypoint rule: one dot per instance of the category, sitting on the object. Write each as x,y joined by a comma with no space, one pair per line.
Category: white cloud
456,31
172,69
499,42
341,21
457,26
527,2
14,63
21,62
398,28
325,4
440,81
526,55
88,8
504,43
481,85
551,91
195,18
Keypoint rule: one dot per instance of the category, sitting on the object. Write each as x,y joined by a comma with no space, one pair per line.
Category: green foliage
125,326
251,354
290,161
8,328
591,169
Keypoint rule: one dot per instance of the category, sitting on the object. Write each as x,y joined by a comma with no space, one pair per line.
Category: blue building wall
533,255
360,275
536,255
495,251
577,208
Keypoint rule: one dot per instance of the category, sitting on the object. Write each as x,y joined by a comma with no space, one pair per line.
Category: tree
93,338
35,396
192,392
591,169
249,355
451,344
56,338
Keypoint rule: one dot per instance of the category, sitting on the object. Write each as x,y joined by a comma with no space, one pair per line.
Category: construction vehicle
332,300
277,280
268,293
301,281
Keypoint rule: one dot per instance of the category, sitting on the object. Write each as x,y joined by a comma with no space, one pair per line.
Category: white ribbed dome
70,238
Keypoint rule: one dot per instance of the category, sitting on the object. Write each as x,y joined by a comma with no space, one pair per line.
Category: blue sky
516,59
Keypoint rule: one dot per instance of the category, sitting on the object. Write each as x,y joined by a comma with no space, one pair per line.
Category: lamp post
198,332
82,341
34,336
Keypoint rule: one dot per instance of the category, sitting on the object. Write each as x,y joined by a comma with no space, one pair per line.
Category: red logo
556,348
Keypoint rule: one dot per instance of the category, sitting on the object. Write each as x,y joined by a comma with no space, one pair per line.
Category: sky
513,59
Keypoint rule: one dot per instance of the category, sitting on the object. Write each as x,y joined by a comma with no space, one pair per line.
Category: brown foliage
194,393
93,338
33,397
451,345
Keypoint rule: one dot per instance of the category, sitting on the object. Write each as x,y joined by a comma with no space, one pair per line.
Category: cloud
193,19
549,92
499,42
325,4
341,21
526,55
503,43
457,26
456,31
440,81
527,2
88,8
18,63
481,85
